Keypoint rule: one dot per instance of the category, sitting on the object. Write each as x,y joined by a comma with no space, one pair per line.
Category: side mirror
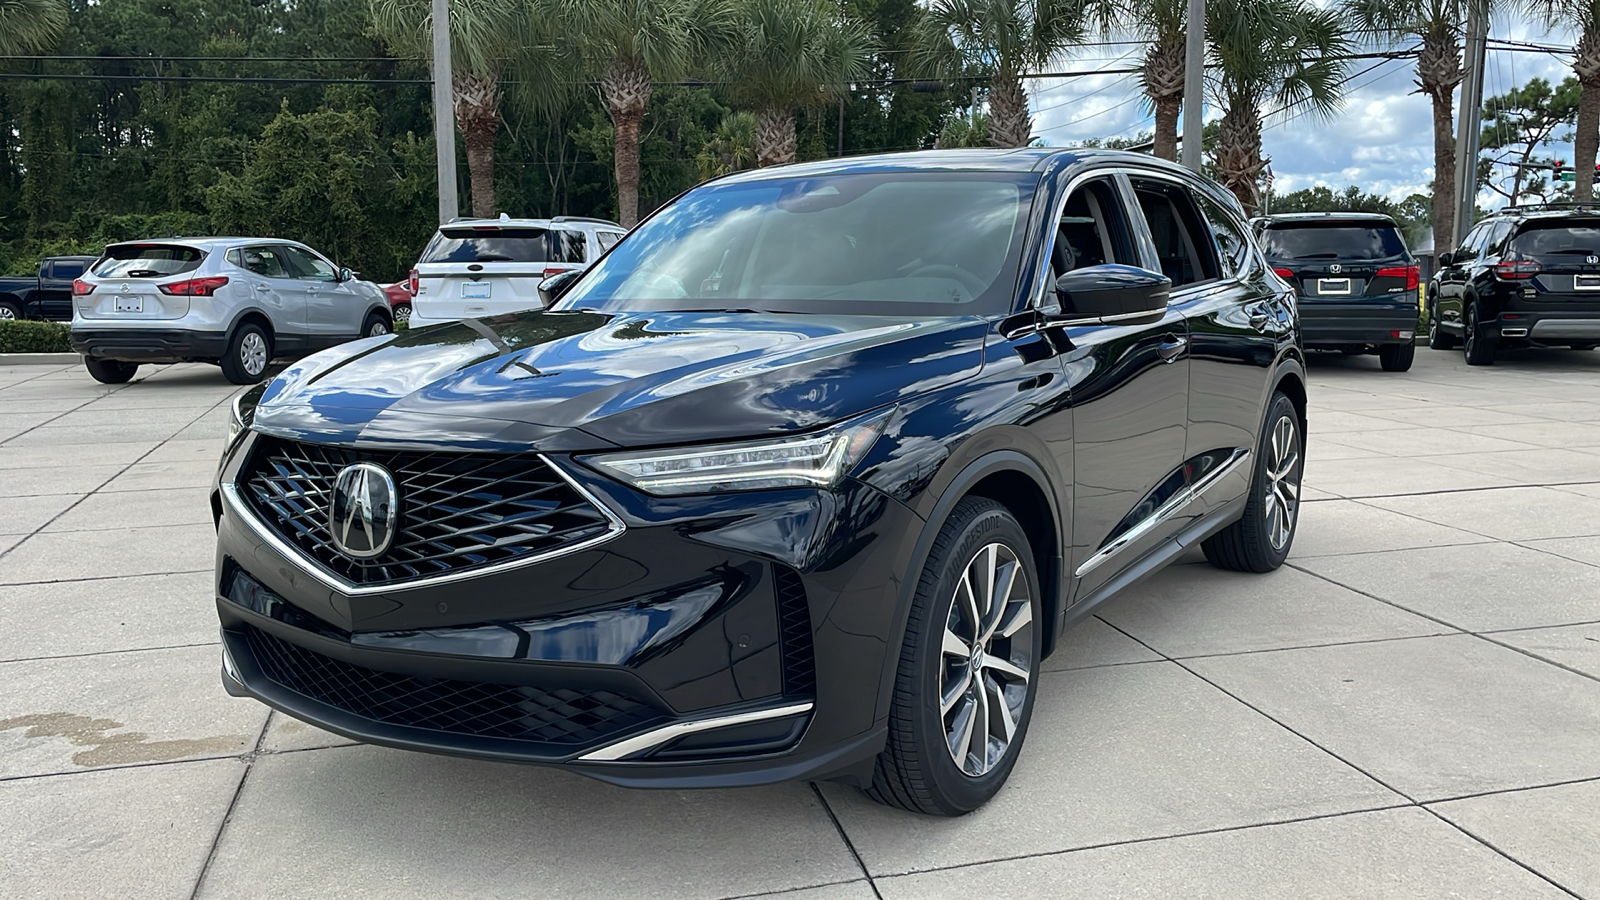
1446,258
347,275
1112,295
551,289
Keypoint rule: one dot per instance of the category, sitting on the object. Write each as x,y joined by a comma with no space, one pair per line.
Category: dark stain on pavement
116,749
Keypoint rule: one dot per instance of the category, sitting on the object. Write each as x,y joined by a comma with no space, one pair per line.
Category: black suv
1525,276
1356,281
802,480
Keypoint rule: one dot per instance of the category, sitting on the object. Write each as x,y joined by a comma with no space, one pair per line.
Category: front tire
1397,357
1478,349
377,325
963,694
1260,540
249,353
110,371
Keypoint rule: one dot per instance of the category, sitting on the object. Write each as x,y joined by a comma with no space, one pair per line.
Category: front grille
457,510
568,718
794,631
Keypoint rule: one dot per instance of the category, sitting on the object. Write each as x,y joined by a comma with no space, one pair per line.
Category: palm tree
791,54
28,25
1003,40
1438,24
1164,23
971,130
630,44
488,38
1289,53
732,147
1583,17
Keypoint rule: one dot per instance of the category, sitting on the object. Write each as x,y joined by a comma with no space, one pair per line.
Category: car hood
585,380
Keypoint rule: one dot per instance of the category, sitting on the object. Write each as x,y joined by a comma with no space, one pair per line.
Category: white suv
236,302
482,267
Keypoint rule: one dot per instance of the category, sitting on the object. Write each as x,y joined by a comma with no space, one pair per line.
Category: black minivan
1356,282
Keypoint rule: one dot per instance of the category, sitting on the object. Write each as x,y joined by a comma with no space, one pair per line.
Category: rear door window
1342,241
267,262
489,244
570,246
148,261
1231,241
1565,241
1183,243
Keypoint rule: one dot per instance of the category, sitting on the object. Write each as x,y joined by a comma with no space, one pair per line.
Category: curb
39,359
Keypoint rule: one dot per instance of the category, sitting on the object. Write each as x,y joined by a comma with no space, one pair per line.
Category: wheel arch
253,316
1017,482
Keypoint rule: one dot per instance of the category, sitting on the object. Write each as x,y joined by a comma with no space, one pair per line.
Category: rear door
482,269
269,283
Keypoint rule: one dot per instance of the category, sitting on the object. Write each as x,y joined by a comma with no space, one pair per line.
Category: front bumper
149,344
1378,321
717,641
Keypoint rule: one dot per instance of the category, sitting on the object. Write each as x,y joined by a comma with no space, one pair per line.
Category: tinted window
943,243
1332,240
70,269
1231,240
1182,242
264,261
571,246
608,239
1473,243
1091,231
1570,240
310,266
147,261
489,243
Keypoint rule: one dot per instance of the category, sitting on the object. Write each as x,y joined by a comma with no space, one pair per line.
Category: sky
1381,141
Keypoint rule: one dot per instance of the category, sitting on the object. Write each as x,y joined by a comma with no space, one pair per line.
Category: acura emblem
1336,268
361,518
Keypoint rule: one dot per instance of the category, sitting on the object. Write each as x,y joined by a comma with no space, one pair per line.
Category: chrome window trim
236,504
658,736
1165,511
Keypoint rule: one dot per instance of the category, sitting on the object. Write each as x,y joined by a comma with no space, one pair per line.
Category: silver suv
482,267
236,302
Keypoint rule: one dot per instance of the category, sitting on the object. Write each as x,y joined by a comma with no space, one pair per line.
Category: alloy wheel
986,659
378,328
6,313
253,353
1283,482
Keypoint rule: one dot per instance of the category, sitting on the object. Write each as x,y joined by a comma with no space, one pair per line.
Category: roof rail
584,219
1554,204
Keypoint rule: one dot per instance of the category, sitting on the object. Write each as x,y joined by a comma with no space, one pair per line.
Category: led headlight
818,459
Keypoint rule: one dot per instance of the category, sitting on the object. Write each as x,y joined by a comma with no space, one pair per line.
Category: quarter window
1234,247
570,246
1183,243
608,239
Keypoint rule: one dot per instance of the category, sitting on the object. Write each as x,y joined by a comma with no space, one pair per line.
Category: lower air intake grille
514,712
794,630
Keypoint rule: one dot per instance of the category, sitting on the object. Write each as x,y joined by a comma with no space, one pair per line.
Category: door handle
1259,316
262,288
1172,348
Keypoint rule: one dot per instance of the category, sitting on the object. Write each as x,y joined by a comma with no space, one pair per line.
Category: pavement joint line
1486,537
1531,655
1536,627
1486,540
1517,862
1516,790
238,790
804,887
1524,544
1553,485
845,836
11,584
1454,630
112,390
23,659
120,472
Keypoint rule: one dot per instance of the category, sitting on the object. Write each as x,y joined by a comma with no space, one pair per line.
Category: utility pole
444,112
1468,123
1194,85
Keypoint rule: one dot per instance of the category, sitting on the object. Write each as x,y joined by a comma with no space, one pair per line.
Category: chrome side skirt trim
1167,510
650,739
237,506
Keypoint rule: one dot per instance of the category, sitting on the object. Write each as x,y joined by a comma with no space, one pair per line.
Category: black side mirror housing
551,289
1446,258
1112,295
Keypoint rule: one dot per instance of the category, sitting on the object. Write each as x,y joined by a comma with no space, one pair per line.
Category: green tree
1515,125
732,148
791,54
28,25
1411,214
1002,40
1582,17
1290,53
971,130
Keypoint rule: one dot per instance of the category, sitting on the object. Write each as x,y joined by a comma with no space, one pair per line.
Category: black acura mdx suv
1524,276
803,480
1355,281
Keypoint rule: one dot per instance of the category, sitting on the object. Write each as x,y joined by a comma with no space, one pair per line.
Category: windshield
917,243
1555,240
147,261
488,243
1335,240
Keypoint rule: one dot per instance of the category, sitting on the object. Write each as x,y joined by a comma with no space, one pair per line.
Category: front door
333,311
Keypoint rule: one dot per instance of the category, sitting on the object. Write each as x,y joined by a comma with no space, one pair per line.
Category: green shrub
35,337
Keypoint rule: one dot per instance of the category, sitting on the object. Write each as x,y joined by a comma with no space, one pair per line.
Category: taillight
194,287
413,282
551,273
81,287
1285,274
1516,269
1412,275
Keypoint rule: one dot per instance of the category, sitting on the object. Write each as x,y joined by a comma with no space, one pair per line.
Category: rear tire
402,313
249,354
110,371
944,690
1438,338
1475,346
1397,357
9,311
1260,540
